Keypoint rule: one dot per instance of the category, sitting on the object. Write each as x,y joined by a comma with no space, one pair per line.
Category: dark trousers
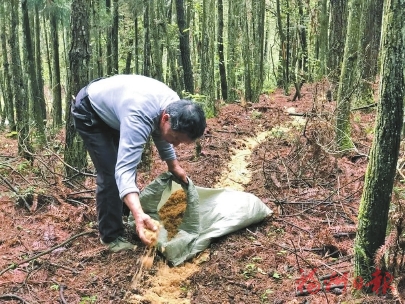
101,142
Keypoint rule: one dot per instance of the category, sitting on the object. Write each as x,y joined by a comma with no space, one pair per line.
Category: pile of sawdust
165,286
171,213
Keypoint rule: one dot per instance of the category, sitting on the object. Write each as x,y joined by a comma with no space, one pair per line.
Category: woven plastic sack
210,213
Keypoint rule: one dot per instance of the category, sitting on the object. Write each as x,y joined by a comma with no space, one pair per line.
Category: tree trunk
348,80
322,38
36,98
303,58
221,56
146,46
19,88
185,47
233,30
370,29
259,9
136,46
8,92
337,32
380,174
174,76
109,55
246,20
79,58
2,107
128,58
56,85
207,54
38,64
155,27
284,81
48,52
114,38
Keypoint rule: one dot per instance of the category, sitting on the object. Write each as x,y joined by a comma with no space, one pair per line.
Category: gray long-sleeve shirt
133,105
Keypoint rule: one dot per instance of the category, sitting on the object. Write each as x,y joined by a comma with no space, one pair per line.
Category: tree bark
109,48
56,85
19,88
185,47
348,80
79,58
338,14
220,43
380,174
232,58
36,98
38,64
8,92
370,29
207,54
114,38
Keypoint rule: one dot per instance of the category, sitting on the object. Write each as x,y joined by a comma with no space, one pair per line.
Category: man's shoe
119,244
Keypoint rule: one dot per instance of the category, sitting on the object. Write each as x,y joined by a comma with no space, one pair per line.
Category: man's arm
174,167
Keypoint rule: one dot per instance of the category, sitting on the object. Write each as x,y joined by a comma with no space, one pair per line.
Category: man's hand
175,168
142,220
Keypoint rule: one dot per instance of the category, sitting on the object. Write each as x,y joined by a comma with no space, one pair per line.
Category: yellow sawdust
171,213
168,284
238,174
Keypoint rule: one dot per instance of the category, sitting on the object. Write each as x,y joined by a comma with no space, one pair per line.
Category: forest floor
279,150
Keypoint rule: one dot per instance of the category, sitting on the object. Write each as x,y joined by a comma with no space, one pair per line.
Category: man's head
182,121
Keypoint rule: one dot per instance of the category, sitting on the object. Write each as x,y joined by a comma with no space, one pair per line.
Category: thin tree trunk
156,25
136,47
146,45
56,85
8,92
35,96
323,38
338,14
221,55
79,58
19,88
370,29
38,64
246,20
208,53
348,80
109,47
2,107
114,38
233,30
128,59
48,52
283,51
185,47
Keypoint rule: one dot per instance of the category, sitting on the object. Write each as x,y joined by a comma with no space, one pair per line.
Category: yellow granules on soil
171,213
